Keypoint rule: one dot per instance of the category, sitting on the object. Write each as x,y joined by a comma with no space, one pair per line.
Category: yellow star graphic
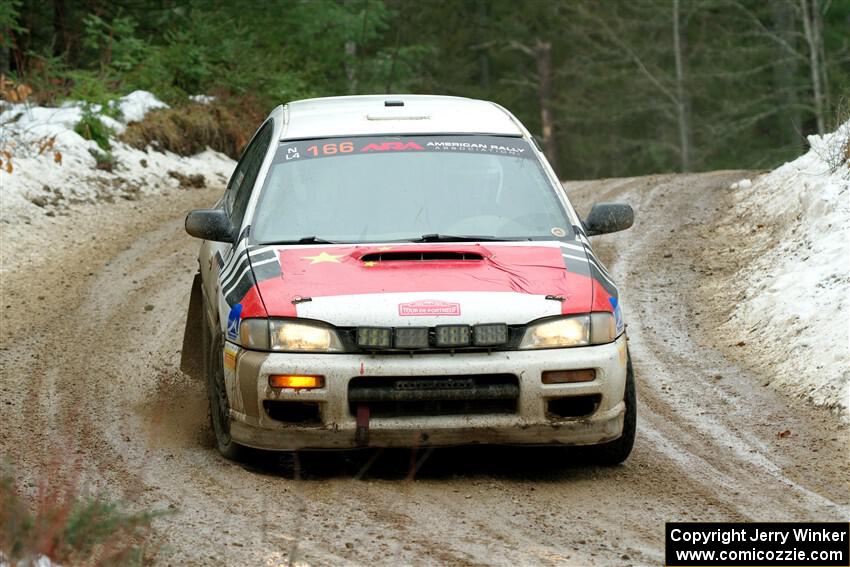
384,248
323,257
369,264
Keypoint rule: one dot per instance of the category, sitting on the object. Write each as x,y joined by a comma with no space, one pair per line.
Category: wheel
617,451
219,406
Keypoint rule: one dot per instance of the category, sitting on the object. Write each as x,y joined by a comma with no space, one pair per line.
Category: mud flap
192,354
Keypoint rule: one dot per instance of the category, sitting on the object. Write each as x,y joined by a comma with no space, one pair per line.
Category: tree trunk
543,55
358,74
682,101
351,62
484,70
817,26
20,41
391,75
60,30
483,54
350,67
5,59
785,75
810,13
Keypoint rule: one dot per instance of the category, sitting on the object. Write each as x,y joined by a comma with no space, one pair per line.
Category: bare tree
659,78
682,101
543,57
785,71
809,14
812,26
541,52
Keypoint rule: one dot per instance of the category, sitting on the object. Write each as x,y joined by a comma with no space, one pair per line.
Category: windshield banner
336,147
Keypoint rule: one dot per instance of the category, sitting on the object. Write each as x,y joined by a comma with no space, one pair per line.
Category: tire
617,451
219,405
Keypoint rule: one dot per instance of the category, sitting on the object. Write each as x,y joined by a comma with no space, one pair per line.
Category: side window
242,182
236,180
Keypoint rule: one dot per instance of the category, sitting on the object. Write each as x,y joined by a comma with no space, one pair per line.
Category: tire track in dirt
664,293
91,371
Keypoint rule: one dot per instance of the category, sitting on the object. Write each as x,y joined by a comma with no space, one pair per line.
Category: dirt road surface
92,314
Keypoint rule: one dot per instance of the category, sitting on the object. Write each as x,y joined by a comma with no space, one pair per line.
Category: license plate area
437,384
400,396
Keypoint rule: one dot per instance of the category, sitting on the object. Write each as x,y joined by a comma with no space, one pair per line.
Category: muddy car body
406,271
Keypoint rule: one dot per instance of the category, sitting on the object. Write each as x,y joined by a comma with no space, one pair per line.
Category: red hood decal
312,272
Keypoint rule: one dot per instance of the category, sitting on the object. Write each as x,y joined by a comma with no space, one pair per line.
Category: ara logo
233,321
431,307
391,146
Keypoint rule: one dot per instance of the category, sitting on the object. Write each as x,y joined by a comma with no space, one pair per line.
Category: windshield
376,189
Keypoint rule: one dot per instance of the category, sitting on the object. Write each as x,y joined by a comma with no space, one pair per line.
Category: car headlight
273,334
571,331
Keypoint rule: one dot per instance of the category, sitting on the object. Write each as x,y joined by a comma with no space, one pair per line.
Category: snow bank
796,304
135,105
28,122
53,167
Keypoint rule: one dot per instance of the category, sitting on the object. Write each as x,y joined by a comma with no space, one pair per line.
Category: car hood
425,284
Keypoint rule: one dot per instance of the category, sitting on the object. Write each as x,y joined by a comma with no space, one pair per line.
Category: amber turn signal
569,376
296,381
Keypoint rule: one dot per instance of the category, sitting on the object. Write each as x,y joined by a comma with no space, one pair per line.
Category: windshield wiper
424,238
303,240
460,238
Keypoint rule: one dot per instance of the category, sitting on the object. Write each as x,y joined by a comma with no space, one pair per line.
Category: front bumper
247,372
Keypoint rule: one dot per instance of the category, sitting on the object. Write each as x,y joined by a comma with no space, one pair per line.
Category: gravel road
92,315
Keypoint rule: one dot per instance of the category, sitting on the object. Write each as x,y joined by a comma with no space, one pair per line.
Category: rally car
397,271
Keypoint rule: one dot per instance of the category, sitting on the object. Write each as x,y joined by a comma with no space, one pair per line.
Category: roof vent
396,117
393,103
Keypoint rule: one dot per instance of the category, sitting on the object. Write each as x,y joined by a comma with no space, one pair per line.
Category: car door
223,256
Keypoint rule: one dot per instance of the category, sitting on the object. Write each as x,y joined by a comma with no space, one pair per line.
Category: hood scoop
429,256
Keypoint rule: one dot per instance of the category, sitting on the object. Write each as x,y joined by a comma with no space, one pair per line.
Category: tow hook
361,435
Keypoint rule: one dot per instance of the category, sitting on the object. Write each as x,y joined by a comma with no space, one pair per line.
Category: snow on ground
53,167
202,99
796,304
40,561
135,105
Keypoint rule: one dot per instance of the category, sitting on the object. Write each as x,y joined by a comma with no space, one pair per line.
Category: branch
771,35
637,61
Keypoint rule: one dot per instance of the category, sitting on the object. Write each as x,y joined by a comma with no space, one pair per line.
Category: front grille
348,336
400,396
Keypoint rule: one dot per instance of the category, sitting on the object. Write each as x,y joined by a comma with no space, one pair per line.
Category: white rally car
406,271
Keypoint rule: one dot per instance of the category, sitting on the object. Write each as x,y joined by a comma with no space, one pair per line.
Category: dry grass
187,130
841,127
837,155
66,526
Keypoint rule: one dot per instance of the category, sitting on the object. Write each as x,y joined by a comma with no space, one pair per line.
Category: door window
242,181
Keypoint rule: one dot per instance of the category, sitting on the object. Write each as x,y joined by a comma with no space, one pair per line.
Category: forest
609,87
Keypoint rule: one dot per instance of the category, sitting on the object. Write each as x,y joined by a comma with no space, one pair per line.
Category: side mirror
609,217
210,224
